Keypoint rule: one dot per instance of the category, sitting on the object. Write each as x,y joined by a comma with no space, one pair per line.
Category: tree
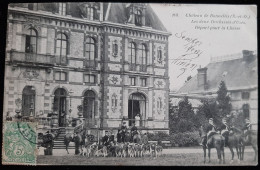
206,110
223,101
182,118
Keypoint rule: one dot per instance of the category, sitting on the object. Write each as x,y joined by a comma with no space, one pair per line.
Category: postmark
19,143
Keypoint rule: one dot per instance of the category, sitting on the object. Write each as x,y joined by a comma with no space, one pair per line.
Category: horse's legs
209,154
232,152
219,155
67,148
238,149
256,151
223,154
204,150
242,152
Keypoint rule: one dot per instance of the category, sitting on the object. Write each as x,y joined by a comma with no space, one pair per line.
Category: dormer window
90,13
62,8
138,18
33,6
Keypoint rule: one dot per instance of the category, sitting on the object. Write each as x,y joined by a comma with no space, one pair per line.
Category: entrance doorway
136,106
89,107
60,105
28,101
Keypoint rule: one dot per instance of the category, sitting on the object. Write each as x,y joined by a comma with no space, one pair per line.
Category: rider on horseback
246,128
224,130
211,130
105,139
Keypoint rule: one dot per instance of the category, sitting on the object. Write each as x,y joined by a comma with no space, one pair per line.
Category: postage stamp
19,143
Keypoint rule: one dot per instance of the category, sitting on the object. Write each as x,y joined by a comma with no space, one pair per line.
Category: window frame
29,37
89,43
89,78
131,82
245,95
133,56
138,17
62,8
60,72
145,80
60,48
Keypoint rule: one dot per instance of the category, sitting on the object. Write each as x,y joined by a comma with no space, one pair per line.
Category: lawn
165,160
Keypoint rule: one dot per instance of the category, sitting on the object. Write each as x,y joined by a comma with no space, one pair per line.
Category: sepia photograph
130,84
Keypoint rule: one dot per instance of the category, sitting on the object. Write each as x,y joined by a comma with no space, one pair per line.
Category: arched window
60,105
90,49
61,44
28,101
115,48
138,18
62,8
143,57
31,41
246,110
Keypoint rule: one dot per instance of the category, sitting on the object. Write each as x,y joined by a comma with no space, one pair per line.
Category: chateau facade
109,58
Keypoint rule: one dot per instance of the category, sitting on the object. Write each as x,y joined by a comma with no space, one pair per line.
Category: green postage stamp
19,143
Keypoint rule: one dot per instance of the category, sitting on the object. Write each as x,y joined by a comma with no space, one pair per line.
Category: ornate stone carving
31,74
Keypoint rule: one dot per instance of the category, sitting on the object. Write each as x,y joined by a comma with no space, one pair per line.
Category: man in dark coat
133,131
105,139
123,129
210,130
224,130
119,136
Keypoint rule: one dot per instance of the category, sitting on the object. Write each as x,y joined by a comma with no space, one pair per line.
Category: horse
127,137
78,139
250,137
233,140
216,141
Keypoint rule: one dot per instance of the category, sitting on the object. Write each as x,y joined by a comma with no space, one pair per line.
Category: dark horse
250,138
233,139
77,138
217,141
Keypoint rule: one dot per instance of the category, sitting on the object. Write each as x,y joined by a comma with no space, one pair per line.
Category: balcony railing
143,68
61,60
32,58
132,67
89,63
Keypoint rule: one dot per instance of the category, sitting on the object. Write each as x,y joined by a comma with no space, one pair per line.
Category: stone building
238,71
108,58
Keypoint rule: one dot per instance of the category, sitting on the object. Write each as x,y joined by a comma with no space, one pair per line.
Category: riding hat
210,119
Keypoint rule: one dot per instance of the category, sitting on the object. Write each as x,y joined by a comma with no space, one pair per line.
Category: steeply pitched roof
237,74
118,14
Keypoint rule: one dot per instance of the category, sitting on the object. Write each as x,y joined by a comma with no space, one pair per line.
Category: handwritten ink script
192,51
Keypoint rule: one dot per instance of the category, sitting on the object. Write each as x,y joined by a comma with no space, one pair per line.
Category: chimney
248,55
202,77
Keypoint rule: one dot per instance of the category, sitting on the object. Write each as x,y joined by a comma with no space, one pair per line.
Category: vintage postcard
130,84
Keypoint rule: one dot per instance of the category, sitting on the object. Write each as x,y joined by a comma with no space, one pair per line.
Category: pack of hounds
117,149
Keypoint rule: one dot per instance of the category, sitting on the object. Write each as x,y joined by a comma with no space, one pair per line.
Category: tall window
28,101
132,53
138,18
62,8
31,41
132,81
246,110
143,82
61,44
143,58
90,49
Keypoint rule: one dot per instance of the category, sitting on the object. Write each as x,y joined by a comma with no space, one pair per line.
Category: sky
200,32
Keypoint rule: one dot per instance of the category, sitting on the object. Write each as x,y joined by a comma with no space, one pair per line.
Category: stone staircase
59,141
